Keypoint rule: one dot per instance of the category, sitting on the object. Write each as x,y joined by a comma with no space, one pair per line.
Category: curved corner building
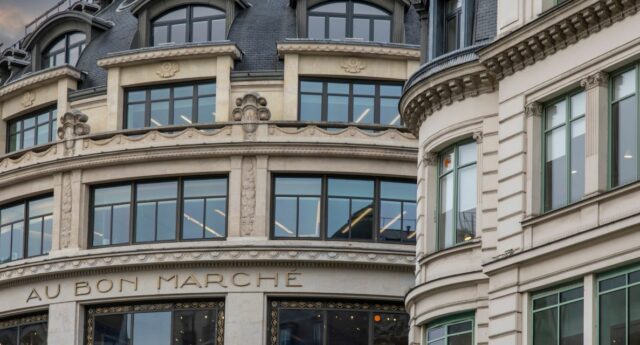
208,172
526,113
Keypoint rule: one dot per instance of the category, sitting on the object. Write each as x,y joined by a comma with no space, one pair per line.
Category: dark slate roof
256,30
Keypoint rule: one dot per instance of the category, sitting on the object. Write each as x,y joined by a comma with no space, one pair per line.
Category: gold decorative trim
140,56
48,75
9,323
362,50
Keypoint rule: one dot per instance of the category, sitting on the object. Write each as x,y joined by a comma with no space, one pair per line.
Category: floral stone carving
168,69
353,65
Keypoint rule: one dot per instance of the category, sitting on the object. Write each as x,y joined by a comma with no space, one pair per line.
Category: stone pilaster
590,314
244,318
533,113
430,229
66,324
596,145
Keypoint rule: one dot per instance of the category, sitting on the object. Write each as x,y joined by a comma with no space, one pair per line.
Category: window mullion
568,132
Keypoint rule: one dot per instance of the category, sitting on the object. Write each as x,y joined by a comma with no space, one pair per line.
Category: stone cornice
44,76
543,37
180,52
361,49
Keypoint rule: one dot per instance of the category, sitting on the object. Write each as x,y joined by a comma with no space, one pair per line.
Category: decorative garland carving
348,49
168,69
353,65
66,216
248,195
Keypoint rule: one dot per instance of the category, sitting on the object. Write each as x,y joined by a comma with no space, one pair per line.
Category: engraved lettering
291,277
237,281
173,277
34,295
274,278
214,278
132,282
191,280
104,285
50,296
82,288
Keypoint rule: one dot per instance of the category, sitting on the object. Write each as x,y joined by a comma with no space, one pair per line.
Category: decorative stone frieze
374,51
67,209
168,69
597,79
144,55
248,195
45,76
353,65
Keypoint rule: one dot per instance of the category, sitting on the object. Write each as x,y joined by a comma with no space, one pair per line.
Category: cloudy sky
15,14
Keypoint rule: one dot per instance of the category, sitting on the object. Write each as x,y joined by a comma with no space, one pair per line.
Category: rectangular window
159,211
25,229
349,101
30,330
457,194
558,317
455,330
624,127
336,208
32,130
452,23
157,324
340,323
564,151
619,307
182,105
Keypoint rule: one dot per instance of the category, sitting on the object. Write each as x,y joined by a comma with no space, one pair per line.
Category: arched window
349,19
65,50
189,24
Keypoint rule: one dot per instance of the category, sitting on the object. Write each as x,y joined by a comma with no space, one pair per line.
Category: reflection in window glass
297,207
65,50
25,331
452,21
26,225
31,130
189,24
457,195
397,211
350,209
624,123
454,331
558,317
204,209
619,308
338,20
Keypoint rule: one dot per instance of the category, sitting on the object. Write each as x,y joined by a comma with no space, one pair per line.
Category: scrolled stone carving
353,65
477,137
73,124
168,69
28,99
251,109
597,79
67,208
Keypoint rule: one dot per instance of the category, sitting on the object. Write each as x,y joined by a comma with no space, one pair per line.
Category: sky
15,14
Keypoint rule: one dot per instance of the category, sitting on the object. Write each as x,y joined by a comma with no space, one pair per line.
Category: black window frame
188,21
26,218
349,17
457,16
133,205
52,123
47,53
195,97
324,196
20,322
377,97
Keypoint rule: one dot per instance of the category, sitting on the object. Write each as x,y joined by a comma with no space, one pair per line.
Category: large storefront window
25,229
189,24
558,317
457,194
159,211
454,330
619,307
624,127
337,323
360,102
184,104
336,208
349,19
197,323
564,162
31,330
31,130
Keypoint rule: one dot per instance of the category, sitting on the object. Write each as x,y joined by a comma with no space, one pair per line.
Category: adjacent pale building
526,113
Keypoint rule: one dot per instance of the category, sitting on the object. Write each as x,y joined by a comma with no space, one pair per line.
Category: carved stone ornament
67,209
28,99
430,158
251,109
533,109
73,124
594,80
353,65
168,69
248,196
477,136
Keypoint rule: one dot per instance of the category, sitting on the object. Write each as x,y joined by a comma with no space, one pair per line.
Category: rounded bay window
349,19
192,23
64,50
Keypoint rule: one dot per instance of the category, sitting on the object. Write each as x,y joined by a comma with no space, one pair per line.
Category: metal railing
61,6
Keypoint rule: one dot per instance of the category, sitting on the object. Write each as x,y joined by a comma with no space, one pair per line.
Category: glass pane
546,301
102,226
625,141
409,221
9,336
121,221
34,243
112,329
337,28
453,5
29,138
157,190
571,324
364,89
193,219
160,94
60,44
361,29
359,8
634,277
390,329
159,114
612,283
347,328
467,201
624,84
461,339
298,186
5,243
338,109
334,7
182,112
389,114
571,294
200,31
545,327
205,11
112,195
41,207
207,110
460,327
136,96
179,33
17,243
205,187
311,86
47,233
391,90
300,327
43,134
390,221
634,314
135,116
152,328
351,188
309,217
194,327
445,221
577,159
613,318
29,122
451,37
316,27
174,15
216,214
74,54
556,114
361,219
160,35
166,221
285,217
447,162
382,30
145,222
398,190
76,38
337,218
310,108
207,89
467,153
363,109
556,169
578,105
339,88
218,30
12,214
436,333
34,334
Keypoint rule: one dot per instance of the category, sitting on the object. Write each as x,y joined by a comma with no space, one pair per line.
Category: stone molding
533,109
360,50
158,54
222,255
597,79
45,76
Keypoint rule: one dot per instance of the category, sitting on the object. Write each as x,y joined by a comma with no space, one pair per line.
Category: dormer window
451,26
349,19
189,24
65,50
453,10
